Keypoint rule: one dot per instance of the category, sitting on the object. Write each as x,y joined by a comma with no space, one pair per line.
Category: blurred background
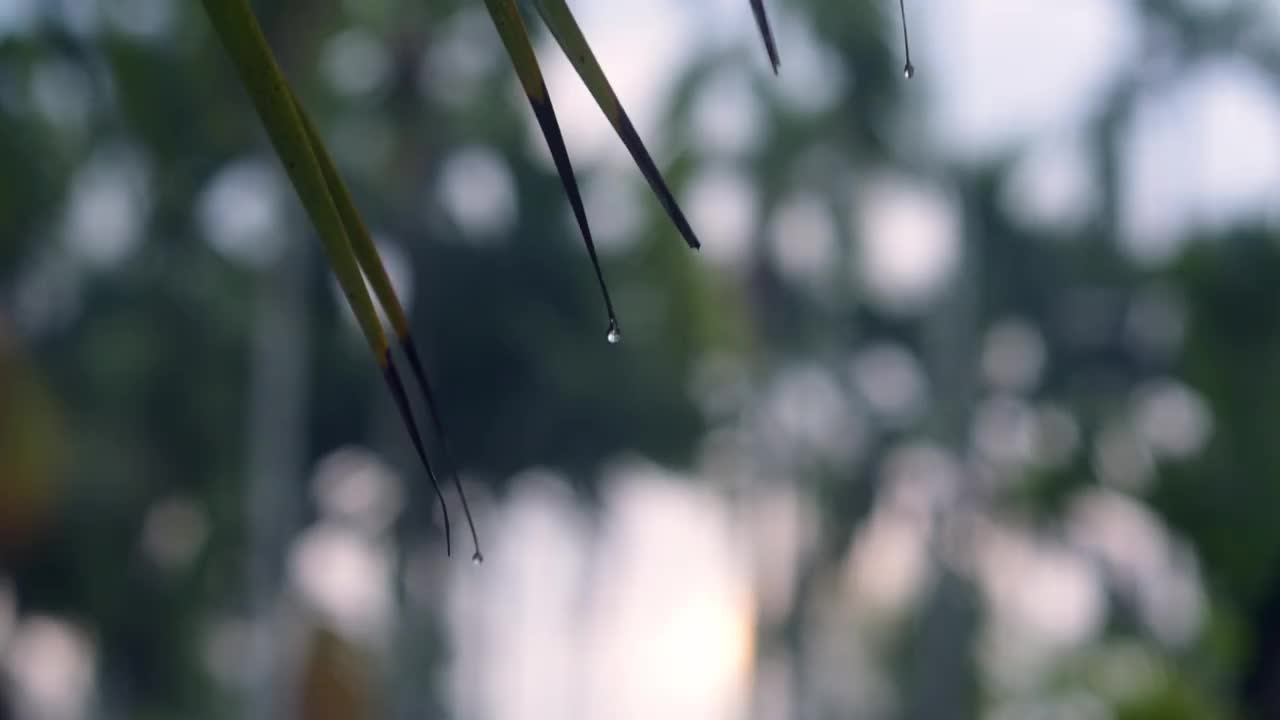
965,410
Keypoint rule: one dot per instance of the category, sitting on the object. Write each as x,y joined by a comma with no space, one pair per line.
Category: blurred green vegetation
134,359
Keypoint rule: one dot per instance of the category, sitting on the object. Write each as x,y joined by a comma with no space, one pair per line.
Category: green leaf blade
564,27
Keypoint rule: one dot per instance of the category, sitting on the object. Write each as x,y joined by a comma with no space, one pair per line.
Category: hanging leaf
515,38
375,271
347,244
908,70
565,29
762,22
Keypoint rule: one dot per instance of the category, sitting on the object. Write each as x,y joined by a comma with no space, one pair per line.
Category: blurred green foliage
127,380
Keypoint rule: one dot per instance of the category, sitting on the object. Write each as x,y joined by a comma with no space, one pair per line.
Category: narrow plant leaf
908,70
366,252
569,36
396,384
762,21
238,30
515,37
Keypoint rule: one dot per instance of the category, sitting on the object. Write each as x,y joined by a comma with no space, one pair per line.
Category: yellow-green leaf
322,193
569,36
515,38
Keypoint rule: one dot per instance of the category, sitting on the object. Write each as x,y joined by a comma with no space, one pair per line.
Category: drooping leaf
569,36
298,149
908,69
766,33
366,252
515,38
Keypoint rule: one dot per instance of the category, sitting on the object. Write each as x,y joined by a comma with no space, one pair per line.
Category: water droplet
615,335
908,70
477,559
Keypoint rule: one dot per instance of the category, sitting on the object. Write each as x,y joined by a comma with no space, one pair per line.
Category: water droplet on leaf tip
909,71
477,559
615,335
